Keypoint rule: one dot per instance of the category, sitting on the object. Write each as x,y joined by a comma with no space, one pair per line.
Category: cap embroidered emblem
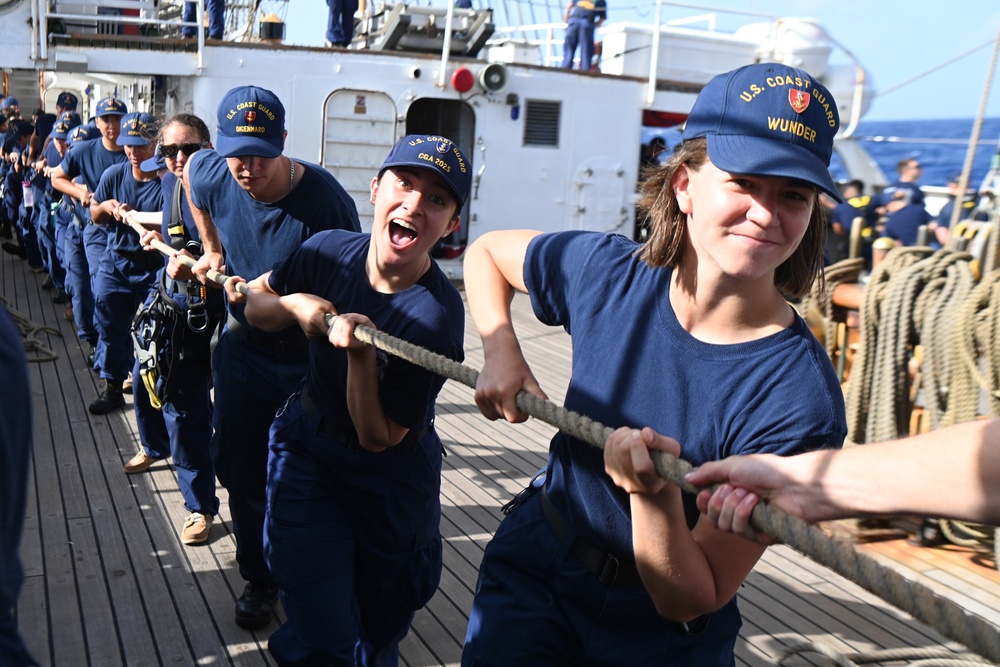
251,116
442,147
799,99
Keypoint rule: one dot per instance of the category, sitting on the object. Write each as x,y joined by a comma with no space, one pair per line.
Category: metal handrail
41,17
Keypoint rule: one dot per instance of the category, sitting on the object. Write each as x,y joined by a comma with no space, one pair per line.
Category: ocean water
940,145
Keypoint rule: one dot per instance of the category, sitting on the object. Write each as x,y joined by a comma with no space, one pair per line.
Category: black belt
272,344
608,569
346,435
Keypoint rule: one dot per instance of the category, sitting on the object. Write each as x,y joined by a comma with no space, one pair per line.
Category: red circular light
463,79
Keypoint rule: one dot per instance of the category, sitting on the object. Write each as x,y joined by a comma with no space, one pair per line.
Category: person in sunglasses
173,404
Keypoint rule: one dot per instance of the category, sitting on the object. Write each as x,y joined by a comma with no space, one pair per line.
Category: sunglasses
170,151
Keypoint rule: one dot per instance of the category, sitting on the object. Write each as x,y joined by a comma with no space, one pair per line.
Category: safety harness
158,329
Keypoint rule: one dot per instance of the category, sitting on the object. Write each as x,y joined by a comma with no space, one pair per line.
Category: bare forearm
375,430
953,473
265,309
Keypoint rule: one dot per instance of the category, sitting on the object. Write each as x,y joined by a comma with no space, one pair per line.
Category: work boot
60,297
127,384
255,608
14,249
48,283
110,398
68,313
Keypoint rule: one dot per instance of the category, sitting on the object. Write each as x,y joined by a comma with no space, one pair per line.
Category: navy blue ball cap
82,133
111,106
438,154
68,101
139,128
251,122
154,163
60,130
71,118
22,128
768,119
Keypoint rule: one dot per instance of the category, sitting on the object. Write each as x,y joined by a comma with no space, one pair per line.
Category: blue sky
896,40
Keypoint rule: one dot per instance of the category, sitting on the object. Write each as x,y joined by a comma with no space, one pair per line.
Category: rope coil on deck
914,598
34,349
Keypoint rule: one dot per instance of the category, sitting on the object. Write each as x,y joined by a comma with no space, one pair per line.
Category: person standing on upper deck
340,23
583,17
216,12
256,205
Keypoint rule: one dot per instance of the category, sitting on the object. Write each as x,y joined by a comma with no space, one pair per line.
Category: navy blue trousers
353,541
565,617
250,386
78,282
579,33
120,287
182,428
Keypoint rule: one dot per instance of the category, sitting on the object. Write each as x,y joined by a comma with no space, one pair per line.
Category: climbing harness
159,328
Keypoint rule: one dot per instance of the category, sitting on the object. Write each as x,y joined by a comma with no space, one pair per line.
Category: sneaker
255,608
48,283
110,398
127,384
196,527
61,297
141,462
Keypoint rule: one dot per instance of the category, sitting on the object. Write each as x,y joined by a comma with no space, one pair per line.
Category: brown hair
659,210
188,120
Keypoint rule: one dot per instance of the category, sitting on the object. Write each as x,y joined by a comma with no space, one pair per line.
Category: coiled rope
34,349
864,375
923,657
821,297
914,598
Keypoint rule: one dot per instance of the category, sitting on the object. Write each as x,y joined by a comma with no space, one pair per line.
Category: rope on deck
923,657
33,348
914,598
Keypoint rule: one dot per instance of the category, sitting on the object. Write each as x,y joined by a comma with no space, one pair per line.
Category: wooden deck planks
108,582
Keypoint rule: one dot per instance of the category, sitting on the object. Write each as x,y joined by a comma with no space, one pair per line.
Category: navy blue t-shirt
852,208
635,365
588,11
429,314
177,290
257,235
904,224
119,183
90,159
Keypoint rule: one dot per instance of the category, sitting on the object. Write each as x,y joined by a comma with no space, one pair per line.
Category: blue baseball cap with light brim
111,106
139,128
251,122
768,119
433,153
155,163
60,130
82,133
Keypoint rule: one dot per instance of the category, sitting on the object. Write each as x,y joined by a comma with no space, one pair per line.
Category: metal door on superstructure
359,128
456,120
